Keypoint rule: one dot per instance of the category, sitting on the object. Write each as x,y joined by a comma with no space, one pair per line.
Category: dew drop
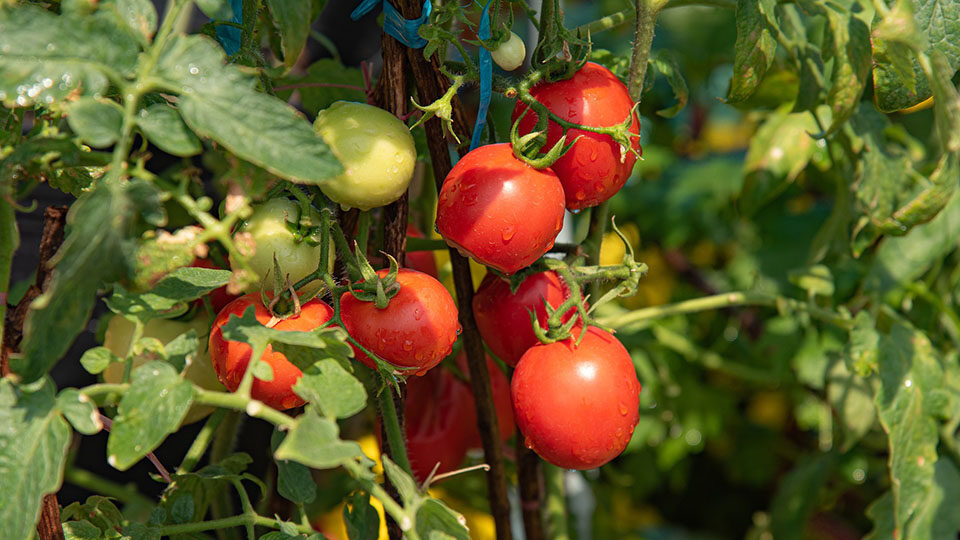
580,195
407,345
507,233
51,47
623,409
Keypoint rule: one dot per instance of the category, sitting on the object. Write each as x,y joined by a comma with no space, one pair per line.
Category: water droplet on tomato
507,233
580,195
528,443
623,410
459,329
407,345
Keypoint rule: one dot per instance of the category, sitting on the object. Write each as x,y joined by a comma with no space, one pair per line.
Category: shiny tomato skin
439,416
500,387
230,358
596,167
421,261
577,406
499,210
219,297
503,317
416,330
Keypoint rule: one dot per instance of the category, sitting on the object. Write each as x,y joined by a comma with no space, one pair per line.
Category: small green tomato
376,150
510,54
274,228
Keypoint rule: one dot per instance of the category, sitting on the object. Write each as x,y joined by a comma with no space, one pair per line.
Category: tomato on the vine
503,318
500,387
596,167
499,210
120,332
509,55
416,330
277,232
376,150
230,358
421,261
577,406
440,415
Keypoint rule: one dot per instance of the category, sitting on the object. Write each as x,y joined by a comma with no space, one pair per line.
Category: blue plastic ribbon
403,30
485,65
229,36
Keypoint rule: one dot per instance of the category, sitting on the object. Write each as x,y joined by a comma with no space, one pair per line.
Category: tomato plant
416,330
231,358
499,210
503,317
597,166
577,405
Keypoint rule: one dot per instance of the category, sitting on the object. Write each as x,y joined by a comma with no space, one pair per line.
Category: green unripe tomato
200,371
273,226
510,54
376,150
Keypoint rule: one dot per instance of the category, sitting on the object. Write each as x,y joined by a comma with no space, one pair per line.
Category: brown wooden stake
54,221
530,480
391,94
431,84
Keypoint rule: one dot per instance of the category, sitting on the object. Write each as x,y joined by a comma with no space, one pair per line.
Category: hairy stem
647,11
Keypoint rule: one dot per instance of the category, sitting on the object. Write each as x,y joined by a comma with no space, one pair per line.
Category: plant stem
9,242
725,300
529,480
221,507
556,503
97,484
548,31
228,523
203,440
391,425
238,402
616,19
598,227
647,11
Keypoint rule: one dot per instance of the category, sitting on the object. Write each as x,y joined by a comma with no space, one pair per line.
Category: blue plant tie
485,64
403,30
229,36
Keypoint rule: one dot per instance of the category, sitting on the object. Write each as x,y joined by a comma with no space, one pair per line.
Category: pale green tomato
510,54
273,226
376,150
200,371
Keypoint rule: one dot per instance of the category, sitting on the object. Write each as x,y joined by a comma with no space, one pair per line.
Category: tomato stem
202,442
556,503
396,442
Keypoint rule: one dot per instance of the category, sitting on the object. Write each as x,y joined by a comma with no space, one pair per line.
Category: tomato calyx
441,108
527,148
372,287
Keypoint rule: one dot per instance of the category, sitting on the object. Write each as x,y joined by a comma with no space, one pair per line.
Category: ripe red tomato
597,166
218,297
439,415
500,387
230,358
577,406
417,329
499,210
421,261
504,318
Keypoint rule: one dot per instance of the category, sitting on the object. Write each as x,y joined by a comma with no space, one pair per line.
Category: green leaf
80,411
816,280
139,15
203,486
332,388
218,101
182,347
45,57
930,25
170,294
405,485
33,450
361,519
754,49
164,127
778,153
96,121
880,512
81,530
909,370
292,19
314,441
850,51
946,103
98,510
851,397
902,259
218,10
97,359
666,64
796,496
294,481
324,72
98,248
436,521
153,407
